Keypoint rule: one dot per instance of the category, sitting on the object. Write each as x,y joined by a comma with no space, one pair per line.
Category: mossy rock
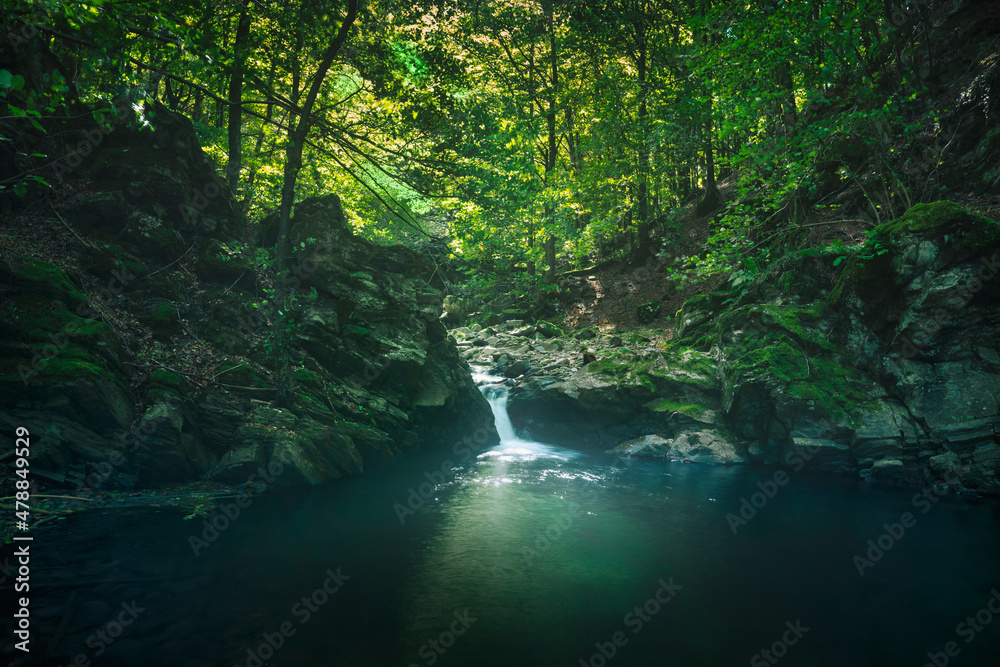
666,405
165,386
779,360
700,310
548,329
43,277
162,319
925,241
146,236
110,261
647,312
241,374
219,263
939,219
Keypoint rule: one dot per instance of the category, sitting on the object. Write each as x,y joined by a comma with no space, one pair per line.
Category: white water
512,447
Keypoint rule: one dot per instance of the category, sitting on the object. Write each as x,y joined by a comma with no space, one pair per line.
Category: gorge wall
135,342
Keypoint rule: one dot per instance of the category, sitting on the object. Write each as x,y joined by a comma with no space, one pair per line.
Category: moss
355,330
689,360
699,309
549,329
42,320
242,374
167,378
49,278
361,432
625,368
772,355
970,231
79,367
666,405
104,259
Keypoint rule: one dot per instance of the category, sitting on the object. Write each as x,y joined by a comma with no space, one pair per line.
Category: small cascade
512,446
497,395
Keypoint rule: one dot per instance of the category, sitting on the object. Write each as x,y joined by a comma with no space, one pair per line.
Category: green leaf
838,260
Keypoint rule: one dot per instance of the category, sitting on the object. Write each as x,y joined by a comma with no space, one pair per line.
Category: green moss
83,366
103,259
167,378
624,368
666,405
41,320
549,329
700,309
48,277
242,374
355,330
773,356
970,231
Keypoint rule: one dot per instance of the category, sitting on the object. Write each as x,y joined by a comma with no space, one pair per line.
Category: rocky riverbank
879,361
137,331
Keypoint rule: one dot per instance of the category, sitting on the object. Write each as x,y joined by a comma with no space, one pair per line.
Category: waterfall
511,446
497,395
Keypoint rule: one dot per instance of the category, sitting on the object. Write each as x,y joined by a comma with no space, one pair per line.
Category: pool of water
529,554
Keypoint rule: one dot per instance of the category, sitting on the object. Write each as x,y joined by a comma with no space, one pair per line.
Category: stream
532,555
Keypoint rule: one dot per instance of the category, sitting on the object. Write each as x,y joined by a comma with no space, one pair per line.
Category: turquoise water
532,555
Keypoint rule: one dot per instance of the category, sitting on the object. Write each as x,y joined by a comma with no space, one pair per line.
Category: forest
453,292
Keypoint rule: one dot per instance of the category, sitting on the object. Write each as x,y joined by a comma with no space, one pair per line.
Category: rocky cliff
136,332
880,361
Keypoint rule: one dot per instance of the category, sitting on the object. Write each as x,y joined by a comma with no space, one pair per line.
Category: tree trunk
235,125
643,242
712,196
297,133
550,259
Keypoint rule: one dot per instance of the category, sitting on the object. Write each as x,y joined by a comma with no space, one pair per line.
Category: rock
585,334
525,332
895,472
647,312
517,369
548,329
615,341
705,446
647,447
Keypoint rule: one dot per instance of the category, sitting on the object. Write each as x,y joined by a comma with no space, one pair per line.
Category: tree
298,131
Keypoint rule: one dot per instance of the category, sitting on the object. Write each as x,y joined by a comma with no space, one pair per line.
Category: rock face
885,365
376,372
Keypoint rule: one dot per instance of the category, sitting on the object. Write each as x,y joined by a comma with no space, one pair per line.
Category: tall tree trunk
643,237
269,111
550,259
235,124
712,196
550,119
297,133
